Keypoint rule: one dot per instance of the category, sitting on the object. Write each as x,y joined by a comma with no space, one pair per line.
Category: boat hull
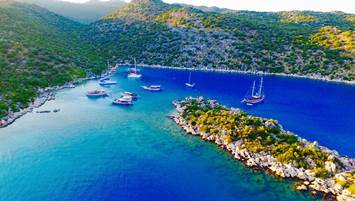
124,103
253,101
151,89
190,85
107,83
134,76
96,96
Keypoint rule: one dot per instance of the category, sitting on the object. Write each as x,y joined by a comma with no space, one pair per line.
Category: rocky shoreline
46,94
312,77
306,178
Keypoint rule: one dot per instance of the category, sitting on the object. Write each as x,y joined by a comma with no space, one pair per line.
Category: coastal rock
330,166
310,175
250,162
301,187
344,198
265,159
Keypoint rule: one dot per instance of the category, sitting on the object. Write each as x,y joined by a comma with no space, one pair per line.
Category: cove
92,150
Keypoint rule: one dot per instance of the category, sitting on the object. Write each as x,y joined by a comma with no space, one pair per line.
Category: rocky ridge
332,187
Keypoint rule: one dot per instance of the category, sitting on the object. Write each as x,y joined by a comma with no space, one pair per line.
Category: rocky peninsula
264,145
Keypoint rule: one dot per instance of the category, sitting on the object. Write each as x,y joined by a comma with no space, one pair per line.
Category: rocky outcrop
264,160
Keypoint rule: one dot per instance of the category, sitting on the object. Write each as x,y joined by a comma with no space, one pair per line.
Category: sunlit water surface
92,150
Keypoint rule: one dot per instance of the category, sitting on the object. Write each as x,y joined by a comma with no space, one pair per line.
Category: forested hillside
174,35
36,51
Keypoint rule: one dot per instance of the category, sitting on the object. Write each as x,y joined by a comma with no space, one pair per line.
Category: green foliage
156,32
321,173
37,49
257,134
174,17
334,38
297,17
351,189
350,18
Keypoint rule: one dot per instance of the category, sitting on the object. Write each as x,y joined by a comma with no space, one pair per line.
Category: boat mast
261,86
190,77
135,65
252,92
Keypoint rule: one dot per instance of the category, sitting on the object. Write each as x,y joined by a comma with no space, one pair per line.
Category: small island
263,144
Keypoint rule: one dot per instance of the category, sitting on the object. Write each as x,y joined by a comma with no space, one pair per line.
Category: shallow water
92,150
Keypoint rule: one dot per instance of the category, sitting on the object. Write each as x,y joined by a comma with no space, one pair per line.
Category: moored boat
44,111
134,75
133,96
255,97
96,93
189,84
107,82
152,88
124,100
133,72
113,69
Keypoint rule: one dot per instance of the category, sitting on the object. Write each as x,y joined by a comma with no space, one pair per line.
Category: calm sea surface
92,150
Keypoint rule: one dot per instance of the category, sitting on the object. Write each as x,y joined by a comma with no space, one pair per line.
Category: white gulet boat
134,73
255,98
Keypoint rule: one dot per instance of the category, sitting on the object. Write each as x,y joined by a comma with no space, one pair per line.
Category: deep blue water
92,150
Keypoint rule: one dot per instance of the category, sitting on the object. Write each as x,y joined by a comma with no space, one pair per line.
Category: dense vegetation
36,51
334,38
257,135
297,17
260,142
174,35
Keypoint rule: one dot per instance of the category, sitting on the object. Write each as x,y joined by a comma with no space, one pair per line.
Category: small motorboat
133,96
43,111
123,101
56,110
107,82
152,88
96,93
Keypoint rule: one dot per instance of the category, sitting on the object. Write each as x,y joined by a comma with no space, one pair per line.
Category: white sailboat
189,84
255,98
134,72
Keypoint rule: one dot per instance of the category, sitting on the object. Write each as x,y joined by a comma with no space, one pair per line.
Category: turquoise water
92,150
